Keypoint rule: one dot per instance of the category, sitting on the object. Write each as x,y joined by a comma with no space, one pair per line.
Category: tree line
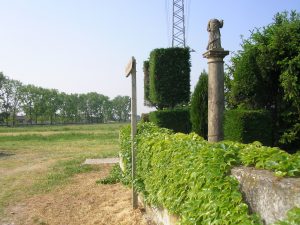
29,104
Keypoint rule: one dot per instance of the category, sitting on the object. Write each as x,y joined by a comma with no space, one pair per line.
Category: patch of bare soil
82,202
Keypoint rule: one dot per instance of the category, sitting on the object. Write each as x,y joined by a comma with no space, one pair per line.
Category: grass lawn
37,159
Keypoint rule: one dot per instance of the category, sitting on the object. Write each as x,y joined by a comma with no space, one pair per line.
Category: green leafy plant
191,177
275,159
115,176
293,218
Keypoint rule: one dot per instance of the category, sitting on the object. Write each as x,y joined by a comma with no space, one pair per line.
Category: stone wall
269,196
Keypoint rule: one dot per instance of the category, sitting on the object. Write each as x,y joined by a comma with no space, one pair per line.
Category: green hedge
190,176
199,106
169,73
177,120
146,83
247,126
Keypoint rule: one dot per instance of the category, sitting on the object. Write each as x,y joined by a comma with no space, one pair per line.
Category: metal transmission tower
178,29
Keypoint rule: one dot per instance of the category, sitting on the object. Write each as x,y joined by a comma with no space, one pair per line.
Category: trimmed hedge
199,106
146,83
247,126
191,177
177,120
169,73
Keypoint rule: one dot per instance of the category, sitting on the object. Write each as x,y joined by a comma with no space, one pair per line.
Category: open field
40,161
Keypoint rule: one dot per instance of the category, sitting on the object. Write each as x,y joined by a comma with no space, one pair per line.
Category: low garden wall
206,183
269,196
266,195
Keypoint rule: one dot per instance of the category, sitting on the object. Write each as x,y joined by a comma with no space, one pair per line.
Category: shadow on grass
3,154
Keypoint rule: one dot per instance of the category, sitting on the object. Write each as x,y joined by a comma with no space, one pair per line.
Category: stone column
215,93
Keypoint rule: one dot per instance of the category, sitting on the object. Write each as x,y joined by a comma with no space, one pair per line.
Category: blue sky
79,46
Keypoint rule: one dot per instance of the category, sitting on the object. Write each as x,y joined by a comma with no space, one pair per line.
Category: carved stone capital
216,54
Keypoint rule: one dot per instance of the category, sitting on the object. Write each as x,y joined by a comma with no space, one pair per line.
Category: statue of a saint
213,27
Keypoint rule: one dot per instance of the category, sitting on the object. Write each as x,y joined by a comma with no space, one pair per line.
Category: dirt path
82,202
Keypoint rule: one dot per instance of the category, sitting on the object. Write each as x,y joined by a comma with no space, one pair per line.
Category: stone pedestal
215,93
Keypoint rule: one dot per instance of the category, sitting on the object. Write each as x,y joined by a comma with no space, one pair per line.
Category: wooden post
131,69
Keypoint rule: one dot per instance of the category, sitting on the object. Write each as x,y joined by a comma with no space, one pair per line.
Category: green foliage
266,75
169,73
2,80
190,176
115,176
177,119
247,126
145,117
147,101
199,106
293,218
49,106
125,150
122,107
262,157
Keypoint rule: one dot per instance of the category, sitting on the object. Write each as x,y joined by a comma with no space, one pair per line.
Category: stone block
267,195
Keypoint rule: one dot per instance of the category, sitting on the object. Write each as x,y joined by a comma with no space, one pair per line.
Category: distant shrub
145,117
247,126
199,106
177,120
169,77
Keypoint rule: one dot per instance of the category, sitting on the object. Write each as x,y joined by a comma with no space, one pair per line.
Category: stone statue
213,27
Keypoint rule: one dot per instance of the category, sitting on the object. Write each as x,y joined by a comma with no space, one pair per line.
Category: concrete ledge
101,161
160,216
269,196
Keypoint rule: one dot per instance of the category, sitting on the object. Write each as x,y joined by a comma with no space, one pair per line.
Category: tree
50,105
3,114
10,98
39,104
15,99
96,105
70,108
266,76
28,97
121,106
83,108
199,106
53,104
2,79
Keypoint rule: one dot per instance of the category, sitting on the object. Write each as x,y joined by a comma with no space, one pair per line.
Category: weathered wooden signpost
131,69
